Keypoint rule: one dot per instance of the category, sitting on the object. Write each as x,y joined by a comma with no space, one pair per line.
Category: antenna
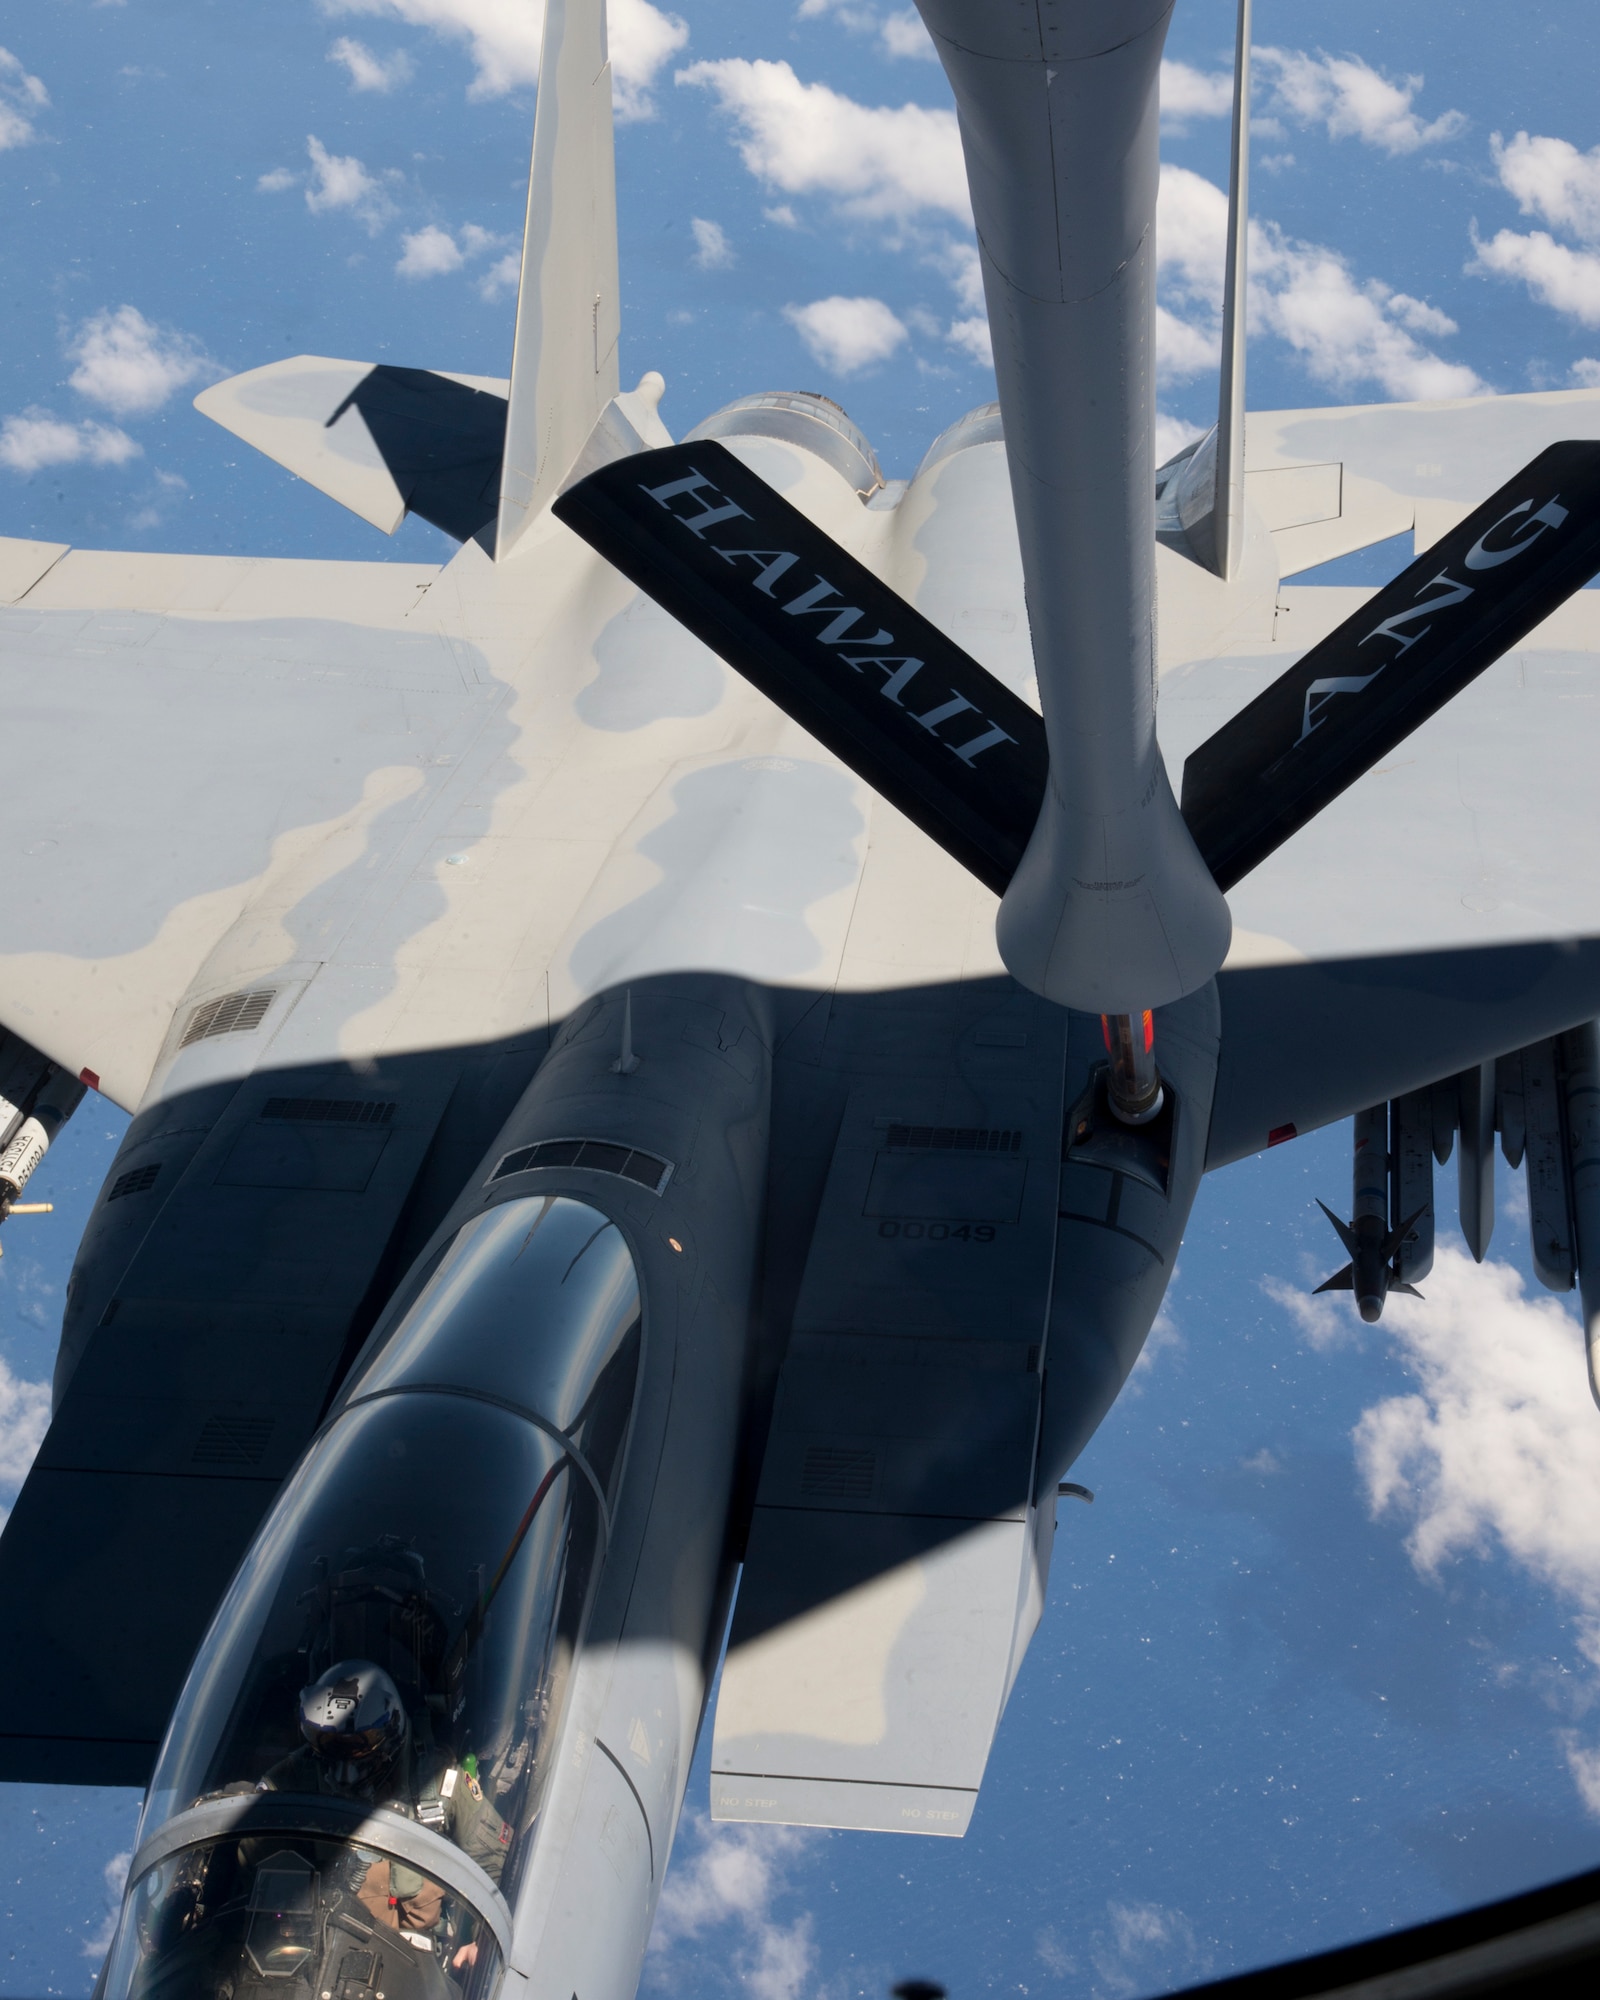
1228,504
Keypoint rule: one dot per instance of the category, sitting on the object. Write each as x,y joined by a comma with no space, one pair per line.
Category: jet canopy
441,1536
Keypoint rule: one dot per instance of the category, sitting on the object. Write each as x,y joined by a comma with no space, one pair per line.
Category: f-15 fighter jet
681,1043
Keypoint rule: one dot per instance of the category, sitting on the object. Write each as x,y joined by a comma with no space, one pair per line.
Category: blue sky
1324,1655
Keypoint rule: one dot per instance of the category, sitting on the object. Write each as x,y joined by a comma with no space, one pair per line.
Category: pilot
359,1745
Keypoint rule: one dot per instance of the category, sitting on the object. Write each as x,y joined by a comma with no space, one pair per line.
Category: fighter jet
671,1054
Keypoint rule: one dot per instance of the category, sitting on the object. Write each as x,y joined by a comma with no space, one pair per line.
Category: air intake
233,1014
137,1180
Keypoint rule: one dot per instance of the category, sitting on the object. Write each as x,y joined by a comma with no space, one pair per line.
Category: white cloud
428,253
1558,276
21,95
98,1942
1586,374
129,366
1419,315
503,275
1191,93
1172,434
24,1406
503,38
279,179
1183,349
1495,1450
28,443
730,1875
1351,99
1498,1447
341,181
1146,1945
972,336
883,163
903,34
1345,330
369,71
712,250
847,334
1553,180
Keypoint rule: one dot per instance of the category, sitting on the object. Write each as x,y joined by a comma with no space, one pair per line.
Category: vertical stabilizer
564,362
1228,517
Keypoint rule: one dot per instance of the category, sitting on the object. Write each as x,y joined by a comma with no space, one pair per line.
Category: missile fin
1341,1281
1346,1233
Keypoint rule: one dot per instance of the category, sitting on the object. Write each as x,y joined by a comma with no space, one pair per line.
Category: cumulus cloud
431,252
369,71
1171,435
1143,1944
24,1406
1192,93
1493,1451
131,367
972,336
1347,331
1586,373
903,34
428,253
847,335
712,250
30,442
21,95
1551,179
98,1942
729,1878
1558,276
888,163
503,39
339,180
503,275
277,180
1350,99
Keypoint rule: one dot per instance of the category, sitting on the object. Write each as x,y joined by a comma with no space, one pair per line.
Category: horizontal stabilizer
821,636
1346,704
382,441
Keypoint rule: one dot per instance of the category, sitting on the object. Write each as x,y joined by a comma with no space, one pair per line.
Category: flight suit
449,1800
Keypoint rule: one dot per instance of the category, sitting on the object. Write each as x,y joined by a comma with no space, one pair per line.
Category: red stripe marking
1279,1133
88,1076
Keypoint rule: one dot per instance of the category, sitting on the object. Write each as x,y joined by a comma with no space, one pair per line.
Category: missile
1373,1247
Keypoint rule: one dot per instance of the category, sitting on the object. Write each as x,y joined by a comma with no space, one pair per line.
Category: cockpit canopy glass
400,1637
274,1916
536,1303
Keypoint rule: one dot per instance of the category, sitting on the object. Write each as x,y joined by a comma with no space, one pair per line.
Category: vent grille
952,1139
233,1014
328,1110
137,1180
836,1472
233,1440
597,1156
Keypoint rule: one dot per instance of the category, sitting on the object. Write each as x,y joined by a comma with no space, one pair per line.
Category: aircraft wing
189,738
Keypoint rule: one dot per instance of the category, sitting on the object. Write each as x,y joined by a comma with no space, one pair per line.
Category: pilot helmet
355,1722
